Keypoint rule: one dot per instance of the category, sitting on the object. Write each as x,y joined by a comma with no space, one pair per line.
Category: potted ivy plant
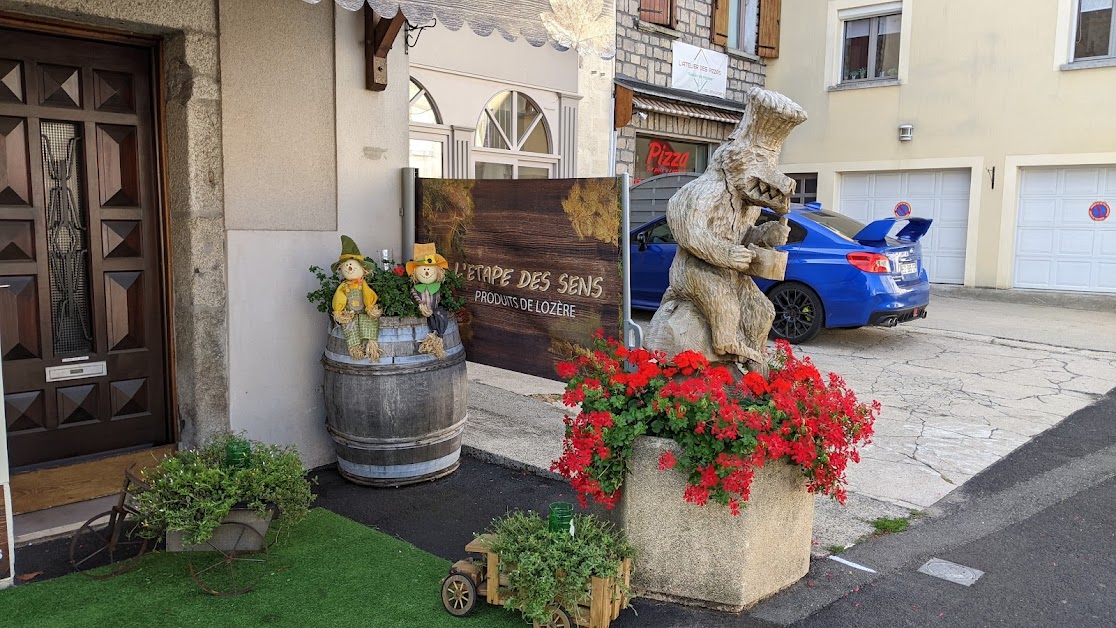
189,496
558,573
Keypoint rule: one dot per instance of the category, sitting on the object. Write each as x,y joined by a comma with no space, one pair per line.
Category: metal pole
633,333
408,213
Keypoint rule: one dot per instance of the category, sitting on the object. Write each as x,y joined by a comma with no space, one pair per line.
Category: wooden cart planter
481,576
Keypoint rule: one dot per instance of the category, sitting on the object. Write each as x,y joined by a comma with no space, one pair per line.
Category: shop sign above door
699,70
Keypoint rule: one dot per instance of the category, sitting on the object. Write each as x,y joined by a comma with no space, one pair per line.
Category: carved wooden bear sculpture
713,219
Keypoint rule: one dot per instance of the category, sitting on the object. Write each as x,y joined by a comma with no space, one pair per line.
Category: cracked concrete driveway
960,390
954,402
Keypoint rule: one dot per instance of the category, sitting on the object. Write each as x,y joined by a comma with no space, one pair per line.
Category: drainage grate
952,572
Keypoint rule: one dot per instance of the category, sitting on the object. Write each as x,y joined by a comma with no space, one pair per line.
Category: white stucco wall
495,58
981,82
277,123
276,337
594,117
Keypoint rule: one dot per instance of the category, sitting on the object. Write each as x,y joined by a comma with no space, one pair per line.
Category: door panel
79,236
1060,244
942,195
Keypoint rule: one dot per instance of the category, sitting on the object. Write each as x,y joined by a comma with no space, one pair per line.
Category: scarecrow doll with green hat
354,303
427,271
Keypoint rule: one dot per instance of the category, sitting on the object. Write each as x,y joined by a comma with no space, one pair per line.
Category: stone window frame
841,11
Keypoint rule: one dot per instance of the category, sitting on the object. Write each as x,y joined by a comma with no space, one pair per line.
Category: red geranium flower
795,415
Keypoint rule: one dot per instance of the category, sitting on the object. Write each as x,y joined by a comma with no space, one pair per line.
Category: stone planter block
227,538
703,555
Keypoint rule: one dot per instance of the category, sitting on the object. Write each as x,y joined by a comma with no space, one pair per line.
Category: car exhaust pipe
890,321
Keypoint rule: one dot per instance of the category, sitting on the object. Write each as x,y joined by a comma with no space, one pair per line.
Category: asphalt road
1040,524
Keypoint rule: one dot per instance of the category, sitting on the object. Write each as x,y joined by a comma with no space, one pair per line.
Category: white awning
580,24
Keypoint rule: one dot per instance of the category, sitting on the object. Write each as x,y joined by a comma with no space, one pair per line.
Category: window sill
740,54
655,28
841,87
1107,62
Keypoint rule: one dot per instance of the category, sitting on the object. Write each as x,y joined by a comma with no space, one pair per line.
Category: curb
510,463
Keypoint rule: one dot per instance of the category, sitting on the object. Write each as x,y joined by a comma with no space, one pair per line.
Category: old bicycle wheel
232,562
107,545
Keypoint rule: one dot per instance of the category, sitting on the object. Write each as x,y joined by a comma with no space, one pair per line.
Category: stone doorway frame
188,127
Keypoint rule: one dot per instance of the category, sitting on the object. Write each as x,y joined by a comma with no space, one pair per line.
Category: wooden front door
82,326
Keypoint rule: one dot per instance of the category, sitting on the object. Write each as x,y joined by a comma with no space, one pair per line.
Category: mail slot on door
65,372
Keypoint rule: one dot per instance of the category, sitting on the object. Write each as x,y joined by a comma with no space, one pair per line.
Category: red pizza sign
662,158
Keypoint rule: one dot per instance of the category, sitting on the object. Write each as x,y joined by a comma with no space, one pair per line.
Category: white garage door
942,195
1062,241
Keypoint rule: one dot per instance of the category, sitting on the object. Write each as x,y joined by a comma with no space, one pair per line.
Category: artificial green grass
329,571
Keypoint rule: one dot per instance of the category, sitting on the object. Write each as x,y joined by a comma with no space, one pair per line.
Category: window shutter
719,31
657,12
769,17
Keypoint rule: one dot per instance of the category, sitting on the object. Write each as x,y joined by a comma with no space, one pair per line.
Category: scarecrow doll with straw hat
354,303
427,270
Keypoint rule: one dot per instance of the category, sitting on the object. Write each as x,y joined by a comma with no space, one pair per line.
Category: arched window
513,127
428,142
422,106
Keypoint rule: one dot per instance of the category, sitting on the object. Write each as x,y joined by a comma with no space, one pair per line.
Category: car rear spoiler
877,231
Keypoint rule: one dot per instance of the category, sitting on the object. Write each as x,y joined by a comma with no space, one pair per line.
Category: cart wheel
559,618
107,545
459,594
232,565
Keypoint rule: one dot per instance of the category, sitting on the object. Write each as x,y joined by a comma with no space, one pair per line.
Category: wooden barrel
398,420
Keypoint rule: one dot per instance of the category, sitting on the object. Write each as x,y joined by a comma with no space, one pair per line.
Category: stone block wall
644,52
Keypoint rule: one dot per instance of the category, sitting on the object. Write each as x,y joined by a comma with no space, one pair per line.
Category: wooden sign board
540,259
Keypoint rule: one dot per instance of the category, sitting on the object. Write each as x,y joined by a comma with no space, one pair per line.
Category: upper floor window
512,121
870,48
1095,33
743,27
657,12
422,107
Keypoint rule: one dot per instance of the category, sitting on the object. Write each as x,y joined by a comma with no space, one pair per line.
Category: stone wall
644,52
195,178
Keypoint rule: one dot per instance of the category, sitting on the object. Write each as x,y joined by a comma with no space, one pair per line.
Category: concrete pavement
975,380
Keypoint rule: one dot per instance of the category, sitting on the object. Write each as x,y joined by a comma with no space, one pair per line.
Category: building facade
983,116
170,170
669,117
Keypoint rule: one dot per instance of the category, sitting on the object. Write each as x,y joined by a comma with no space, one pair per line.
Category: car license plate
908,268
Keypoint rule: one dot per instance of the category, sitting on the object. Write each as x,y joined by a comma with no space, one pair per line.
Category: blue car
840,272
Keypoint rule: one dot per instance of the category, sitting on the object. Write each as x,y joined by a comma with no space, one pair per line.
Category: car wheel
799,315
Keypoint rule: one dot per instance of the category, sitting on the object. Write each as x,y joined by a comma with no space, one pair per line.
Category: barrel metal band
391,444
395,471
390,369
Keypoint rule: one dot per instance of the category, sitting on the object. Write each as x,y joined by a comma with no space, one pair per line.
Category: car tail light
870,262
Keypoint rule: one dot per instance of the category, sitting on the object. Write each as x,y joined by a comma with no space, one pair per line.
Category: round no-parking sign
903,209
1100,211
